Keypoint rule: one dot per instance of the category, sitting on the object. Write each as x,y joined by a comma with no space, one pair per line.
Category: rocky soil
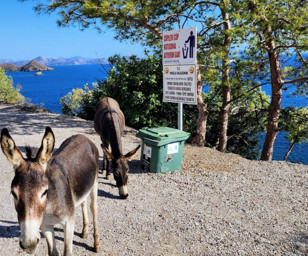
218,204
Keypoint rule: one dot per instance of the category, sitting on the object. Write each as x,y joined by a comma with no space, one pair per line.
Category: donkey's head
29,186
120,169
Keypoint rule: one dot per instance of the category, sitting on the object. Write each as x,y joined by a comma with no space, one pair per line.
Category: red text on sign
169,46
172,54
171,37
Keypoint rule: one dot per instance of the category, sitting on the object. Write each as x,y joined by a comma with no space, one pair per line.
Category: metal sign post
179,67
180,116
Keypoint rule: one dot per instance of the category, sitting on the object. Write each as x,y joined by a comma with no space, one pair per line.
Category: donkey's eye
45,193
14,195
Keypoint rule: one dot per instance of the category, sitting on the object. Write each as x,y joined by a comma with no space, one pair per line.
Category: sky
25,35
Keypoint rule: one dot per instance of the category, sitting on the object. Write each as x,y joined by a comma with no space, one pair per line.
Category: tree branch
288,46
203,32
295,80
262,42
188,15
284,20
302,57
207,2
253,88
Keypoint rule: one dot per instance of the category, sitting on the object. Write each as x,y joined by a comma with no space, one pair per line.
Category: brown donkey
47,189
109,122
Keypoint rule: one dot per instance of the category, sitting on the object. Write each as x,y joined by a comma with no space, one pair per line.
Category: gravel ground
218,204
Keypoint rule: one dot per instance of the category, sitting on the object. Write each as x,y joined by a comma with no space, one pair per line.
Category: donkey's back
104,108
77,159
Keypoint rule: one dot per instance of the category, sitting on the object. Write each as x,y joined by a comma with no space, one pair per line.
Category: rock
30,66
9,67
35,66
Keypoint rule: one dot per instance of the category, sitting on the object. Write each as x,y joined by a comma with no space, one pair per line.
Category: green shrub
137,85
294,121
72,102
8,93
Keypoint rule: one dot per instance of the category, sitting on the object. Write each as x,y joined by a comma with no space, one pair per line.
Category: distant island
16,65
70,61
33,65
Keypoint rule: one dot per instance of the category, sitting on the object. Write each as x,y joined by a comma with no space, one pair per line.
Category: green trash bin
162,149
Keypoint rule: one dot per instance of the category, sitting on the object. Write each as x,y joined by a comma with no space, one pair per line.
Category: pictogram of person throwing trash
191,40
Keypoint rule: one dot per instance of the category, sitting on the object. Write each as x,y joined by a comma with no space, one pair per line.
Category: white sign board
180,84
180,46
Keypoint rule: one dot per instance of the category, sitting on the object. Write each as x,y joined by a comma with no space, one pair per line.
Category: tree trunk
289,151
224,116
203,113
226,88
275,107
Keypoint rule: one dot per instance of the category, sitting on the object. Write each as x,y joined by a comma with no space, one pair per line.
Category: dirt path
219,204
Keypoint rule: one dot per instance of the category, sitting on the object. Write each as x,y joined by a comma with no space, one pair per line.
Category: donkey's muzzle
124,196
123,192
29,247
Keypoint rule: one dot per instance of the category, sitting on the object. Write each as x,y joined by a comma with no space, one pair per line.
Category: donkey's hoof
104,172
97,248
55,253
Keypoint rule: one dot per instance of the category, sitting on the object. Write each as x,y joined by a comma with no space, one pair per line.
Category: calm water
46,91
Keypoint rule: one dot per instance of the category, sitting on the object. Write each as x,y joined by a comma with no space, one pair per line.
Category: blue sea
47,89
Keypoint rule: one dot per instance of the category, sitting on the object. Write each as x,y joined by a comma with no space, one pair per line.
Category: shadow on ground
9,231
22,122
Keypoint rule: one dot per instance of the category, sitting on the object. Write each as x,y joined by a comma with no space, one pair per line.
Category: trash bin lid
162,133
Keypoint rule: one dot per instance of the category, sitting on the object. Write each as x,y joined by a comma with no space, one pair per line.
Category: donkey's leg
94,211
106,166
106,162
85,219
68,236
49,233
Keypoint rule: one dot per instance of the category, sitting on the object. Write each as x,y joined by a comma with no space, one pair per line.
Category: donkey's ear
107,152
47,146
131,153
10,149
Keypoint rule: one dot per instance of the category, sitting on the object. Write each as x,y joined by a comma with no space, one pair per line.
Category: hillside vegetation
8,93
